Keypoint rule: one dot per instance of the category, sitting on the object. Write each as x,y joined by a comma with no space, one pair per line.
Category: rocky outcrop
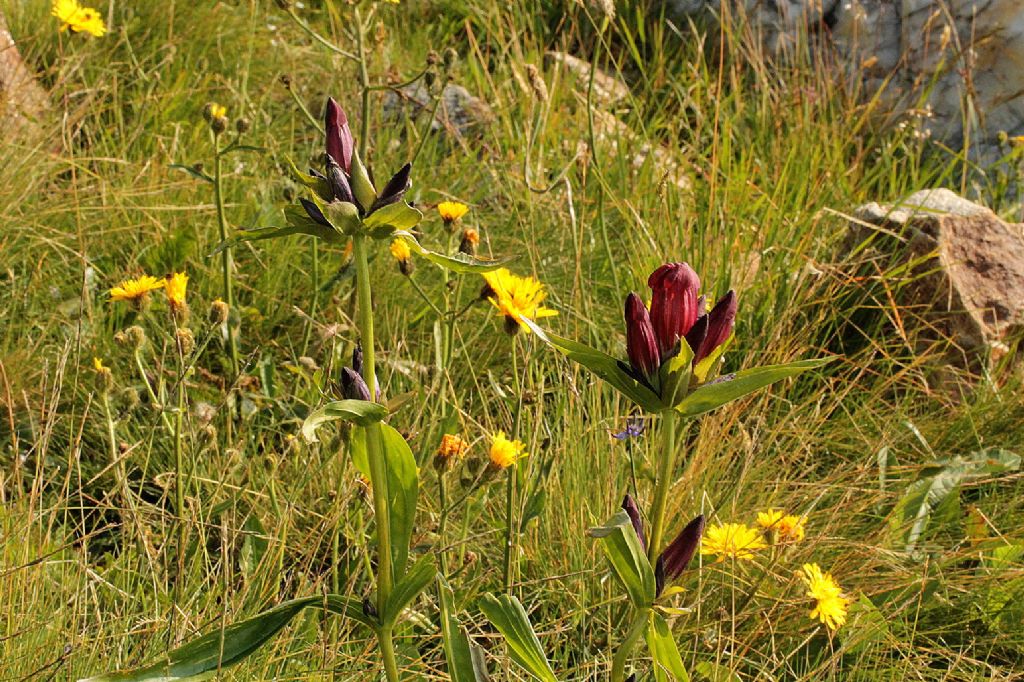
961,61
458,112
970,267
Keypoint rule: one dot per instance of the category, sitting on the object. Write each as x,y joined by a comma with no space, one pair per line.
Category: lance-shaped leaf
459,263
725,389
627,558
212,652
317,183
405,590
507,614
668,664
403,488
603,365
385,222
297,224
361,412
465,659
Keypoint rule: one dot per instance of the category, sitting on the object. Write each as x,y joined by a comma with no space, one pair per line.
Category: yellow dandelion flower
830,604
735,540
787,527
77,18
218,110
504,452
400,250
175,289
135,290
452,447
516,298
452,210
97,364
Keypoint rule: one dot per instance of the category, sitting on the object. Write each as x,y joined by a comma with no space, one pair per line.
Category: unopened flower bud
186,341
218,314
430,77
676,557
135,336
470,240
219,125
433,58
357,358
451,450
537,84
242,125
633,511
104,377
450,58
352,385
641,345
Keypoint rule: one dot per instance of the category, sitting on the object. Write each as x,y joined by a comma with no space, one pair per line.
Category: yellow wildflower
135,290
516,298
451,211
831,606
785,526
77,18
217,110
97,364
400,250
735,540
504,452
175,289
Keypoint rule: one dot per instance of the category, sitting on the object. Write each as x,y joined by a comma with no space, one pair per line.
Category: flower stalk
669,421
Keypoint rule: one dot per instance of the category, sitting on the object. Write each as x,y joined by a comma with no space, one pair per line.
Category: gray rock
458,112
970,283
608,89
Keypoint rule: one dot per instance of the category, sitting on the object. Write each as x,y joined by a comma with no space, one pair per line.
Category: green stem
227,266
319,38
378,469
510,494
627,646
149,388
442,524
668,456
423,295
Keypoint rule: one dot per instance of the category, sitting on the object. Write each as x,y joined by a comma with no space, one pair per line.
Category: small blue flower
634,428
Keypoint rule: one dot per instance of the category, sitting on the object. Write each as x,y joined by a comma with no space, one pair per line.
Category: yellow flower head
135,290
218,111
97,364
77,18
504,452
175,289
470,236
788,527
516,298
831,606
400,250
451,210
735,540
452,447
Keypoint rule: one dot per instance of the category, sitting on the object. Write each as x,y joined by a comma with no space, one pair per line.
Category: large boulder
969,268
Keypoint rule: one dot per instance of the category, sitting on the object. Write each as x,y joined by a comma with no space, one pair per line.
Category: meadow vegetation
158,485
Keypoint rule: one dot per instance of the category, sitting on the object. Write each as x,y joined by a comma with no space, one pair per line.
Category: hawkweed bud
208,110
186,341
352,385
433,58
403,254
121,339
430,77
104,377
452,449
219,125
470,240
242,125
537,84
450,58
218,314
136,336
130,398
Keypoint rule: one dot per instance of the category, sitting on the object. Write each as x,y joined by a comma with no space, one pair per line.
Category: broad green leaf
663,650
459,263
725,389
383,222
319,185
206,654
361,412
465,660
362,187
627,558
261,233
408,588
403,487
941,481
713,672
866,627
675,375
341,214
603,365
194,171
507,614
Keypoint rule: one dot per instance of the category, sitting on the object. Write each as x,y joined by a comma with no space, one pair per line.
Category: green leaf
362,188
675,375
194,171
866,627
206,654
361,412
713,672
627,558
663,650
408,588
459,263
507,614
385,221
941,481
403,488
730,387
603,365
318,185
465,660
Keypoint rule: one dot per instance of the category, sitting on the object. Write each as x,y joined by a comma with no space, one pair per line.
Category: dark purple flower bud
698,332
641,345
357,358
674,309
340,144
341,190
659,576
395,188
314,212
352,385
720,323
677,555
629,506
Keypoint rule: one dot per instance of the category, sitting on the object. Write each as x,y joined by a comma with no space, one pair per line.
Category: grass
772,156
